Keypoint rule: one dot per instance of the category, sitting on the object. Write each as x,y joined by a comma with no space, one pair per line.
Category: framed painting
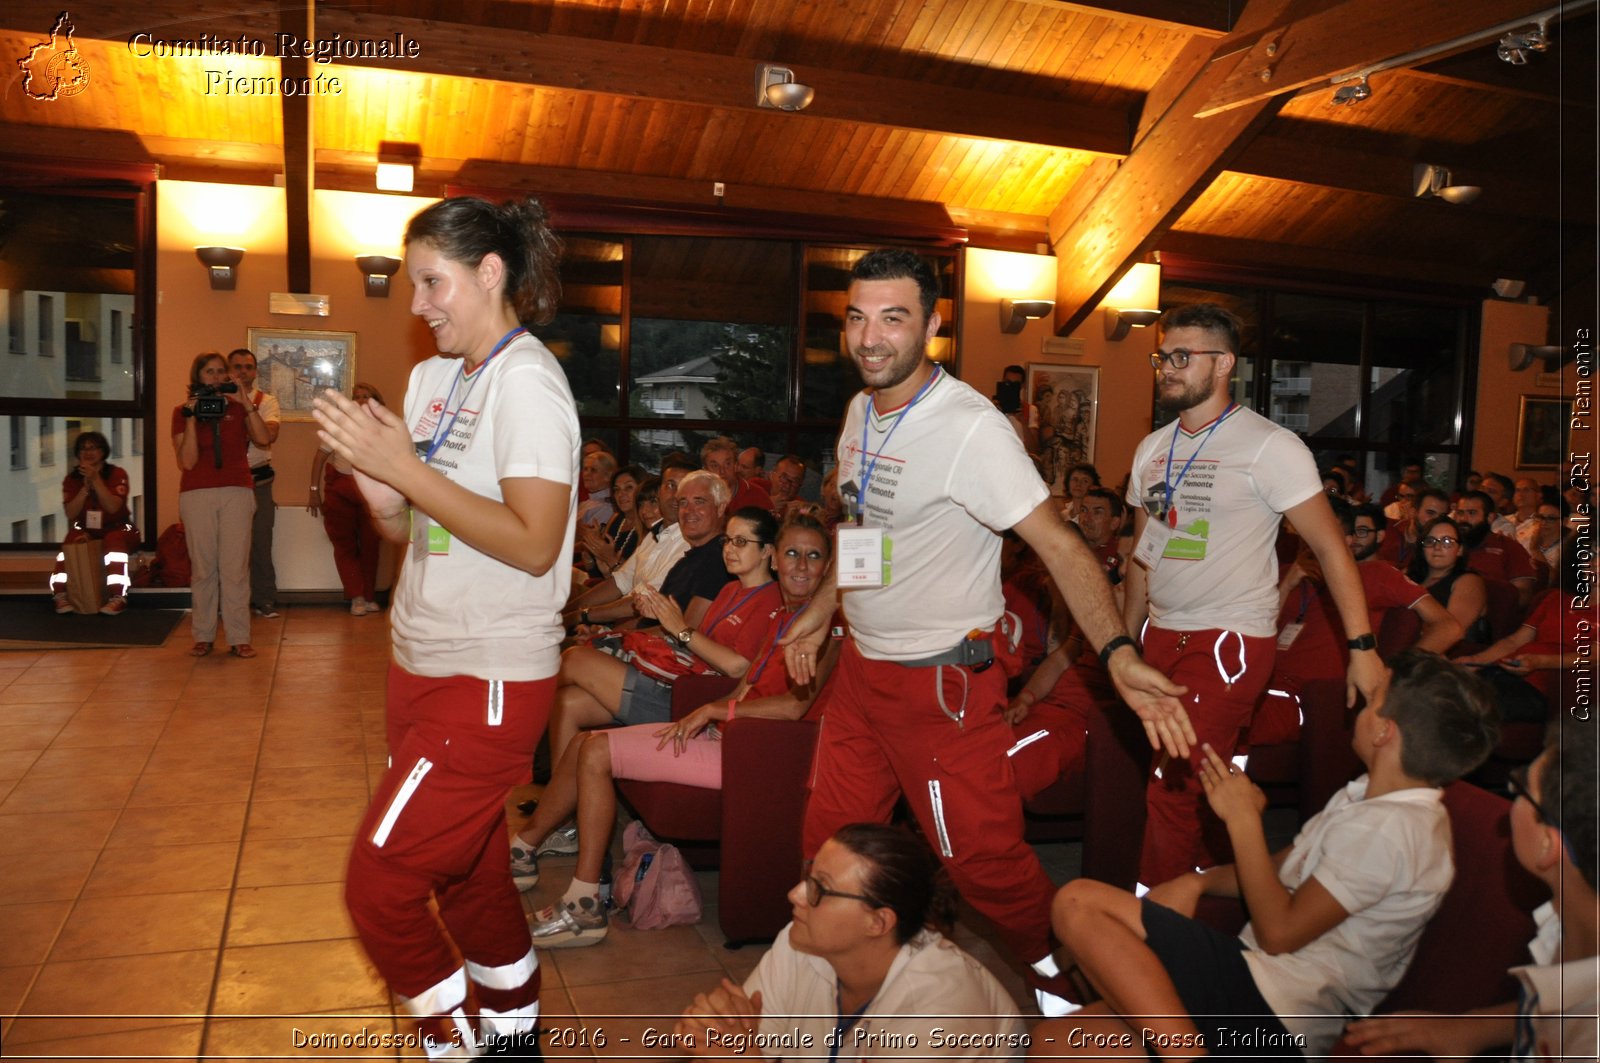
1543,423
1067,398
294,365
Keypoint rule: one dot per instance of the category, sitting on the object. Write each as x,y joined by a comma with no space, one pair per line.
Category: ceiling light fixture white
1429,180
777,89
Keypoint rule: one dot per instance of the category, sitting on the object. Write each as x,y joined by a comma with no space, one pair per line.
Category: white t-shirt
936,1002
463,612
1387,861
952,476
271,412
651,560
1219,569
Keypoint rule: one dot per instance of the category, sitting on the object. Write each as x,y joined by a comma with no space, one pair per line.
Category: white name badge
93,519
1290,632
1152,543
863,557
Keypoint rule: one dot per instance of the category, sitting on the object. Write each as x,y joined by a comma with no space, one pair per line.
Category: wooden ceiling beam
1208,18
1320,264
647,72
1114,218
1345,38
299,150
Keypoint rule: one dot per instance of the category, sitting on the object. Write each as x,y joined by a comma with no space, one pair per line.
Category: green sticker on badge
438,539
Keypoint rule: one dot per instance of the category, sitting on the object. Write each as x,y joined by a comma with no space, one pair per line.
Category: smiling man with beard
1208,493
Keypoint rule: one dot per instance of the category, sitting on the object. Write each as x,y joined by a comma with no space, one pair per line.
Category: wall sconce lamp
377,269
777,89
396,173
1121,320
1015,313
220,261
1524,355
1435,181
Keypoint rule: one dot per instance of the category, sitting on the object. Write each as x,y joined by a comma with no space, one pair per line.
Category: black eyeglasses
741,542
1179,358
1517,782
1363,533
1439,540
815,891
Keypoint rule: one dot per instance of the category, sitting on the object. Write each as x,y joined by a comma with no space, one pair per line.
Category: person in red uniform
337,499
95,496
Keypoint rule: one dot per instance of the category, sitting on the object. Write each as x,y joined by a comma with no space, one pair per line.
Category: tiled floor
173,834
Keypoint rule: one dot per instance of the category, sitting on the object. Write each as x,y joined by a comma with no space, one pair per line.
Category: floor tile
54,831
83,998
357,1033
627,954
97,762
133,926
274,915
228,782
82,733
629,1013
69,793
335,817
163,869
170,1044
300,753
178,825
14,985
30,930
294,979
54,876
290,861
312,781
15,763
21,713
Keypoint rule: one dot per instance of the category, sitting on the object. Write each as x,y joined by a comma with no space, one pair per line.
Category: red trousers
436,828
1052,739
1226,673
884,734
355,540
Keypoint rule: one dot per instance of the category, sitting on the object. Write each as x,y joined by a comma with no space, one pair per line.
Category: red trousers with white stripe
1226,673
436,828
885,733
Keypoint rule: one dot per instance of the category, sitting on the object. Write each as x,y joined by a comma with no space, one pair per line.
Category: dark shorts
1207,968
643,699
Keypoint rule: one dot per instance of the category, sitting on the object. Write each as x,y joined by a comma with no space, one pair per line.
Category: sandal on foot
243,649
200,649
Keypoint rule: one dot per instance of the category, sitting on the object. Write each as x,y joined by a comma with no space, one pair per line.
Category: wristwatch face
685,635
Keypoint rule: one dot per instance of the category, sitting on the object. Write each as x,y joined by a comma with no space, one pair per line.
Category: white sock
579,890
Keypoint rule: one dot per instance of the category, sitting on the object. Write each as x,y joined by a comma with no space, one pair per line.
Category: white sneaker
358,606
563,841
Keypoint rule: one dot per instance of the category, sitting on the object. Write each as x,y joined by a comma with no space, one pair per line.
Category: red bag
662,659
171,566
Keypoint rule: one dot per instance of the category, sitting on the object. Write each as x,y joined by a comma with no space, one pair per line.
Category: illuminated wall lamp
1120,320
377,269
221,262
396,176
1015,313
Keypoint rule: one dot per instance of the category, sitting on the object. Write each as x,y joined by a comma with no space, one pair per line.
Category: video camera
209,403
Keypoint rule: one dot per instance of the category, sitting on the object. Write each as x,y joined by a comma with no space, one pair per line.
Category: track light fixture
1435,181
1515,46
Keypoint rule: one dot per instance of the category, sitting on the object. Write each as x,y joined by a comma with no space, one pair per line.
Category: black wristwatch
1112,647
583,617
1369,641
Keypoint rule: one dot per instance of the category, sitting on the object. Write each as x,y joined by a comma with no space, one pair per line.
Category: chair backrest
692,691
1484,925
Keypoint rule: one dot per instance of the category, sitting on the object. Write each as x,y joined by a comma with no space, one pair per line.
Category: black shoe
527,807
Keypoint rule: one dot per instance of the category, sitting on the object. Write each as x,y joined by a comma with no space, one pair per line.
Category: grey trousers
263,577
216,521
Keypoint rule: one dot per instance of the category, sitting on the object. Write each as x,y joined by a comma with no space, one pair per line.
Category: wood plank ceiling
1008,120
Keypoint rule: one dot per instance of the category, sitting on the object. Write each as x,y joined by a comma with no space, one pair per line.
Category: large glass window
70,295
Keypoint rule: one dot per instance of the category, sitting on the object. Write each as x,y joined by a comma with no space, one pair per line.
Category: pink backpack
655,883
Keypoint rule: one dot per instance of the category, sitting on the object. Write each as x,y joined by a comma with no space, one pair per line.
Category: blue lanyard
1171,485
783,625
843,1026
442,431
735,607
866,419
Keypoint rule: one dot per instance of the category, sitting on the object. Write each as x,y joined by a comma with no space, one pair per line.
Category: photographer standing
212,432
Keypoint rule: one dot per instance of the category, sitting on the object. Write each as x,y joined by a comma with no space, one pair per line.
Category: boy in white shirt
1335,917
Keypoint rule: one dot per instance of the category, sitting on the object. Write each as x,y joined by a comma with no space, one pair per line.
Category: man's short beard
1364,552
1188,398
1474,535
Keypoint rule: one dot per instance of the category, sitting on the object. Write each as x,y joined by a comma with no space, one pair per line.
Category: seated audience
1541,535
1410,476
862,967
723,628
686,751
1081,479
753,467
1489,553
1335,917
95,496
788,477
1499,488
720,457
610,545
348,522
1440,567
595,475
1311,637
1553,831
1399,544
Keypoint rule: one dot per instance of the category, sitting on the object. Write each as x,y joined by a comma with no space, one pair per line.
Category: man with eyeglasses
1490,554
1208,493
1311,638
788,476
1554,827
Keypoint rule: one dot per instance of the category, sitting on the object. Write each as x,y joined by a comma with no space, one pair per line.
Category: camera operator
211,433
263,577
1023,415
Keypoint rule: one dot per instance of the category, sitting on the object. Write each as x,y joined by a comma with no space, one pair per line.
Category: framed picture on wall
1542,426
294,365
1068,400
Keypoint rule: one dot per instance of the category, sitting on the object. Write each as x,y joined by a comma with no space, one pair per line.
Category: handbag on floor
85,563
655,883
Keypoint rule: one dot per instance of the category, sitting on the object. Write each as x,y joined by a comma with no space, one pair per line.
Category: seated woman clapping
688,751
861,972
596,688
